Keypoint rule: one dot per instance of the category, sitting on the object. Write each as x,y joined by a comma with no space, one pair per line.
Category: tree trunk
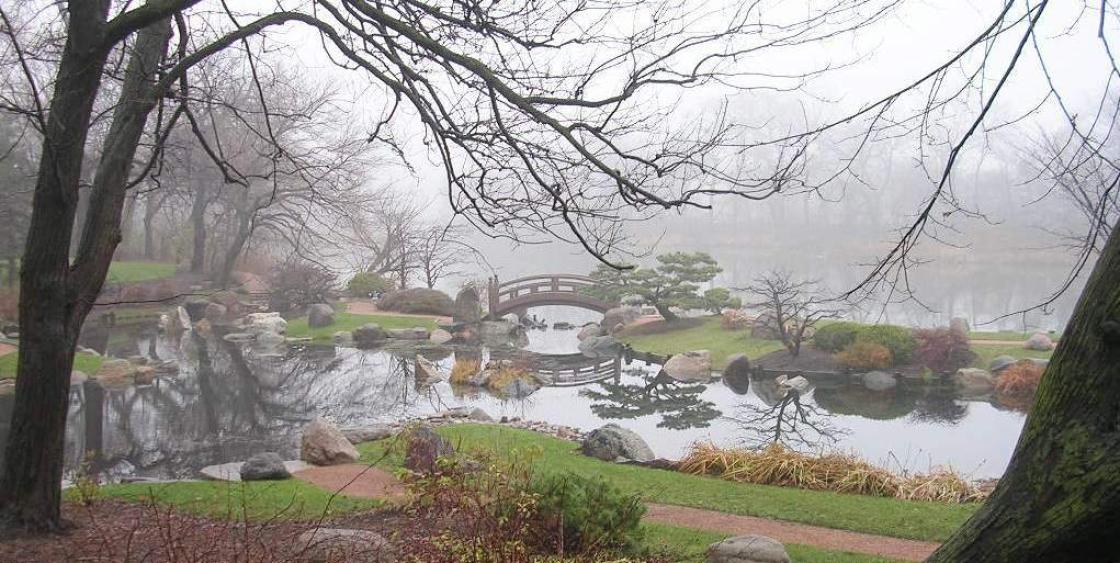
198,222
1060,497
663,310
55,297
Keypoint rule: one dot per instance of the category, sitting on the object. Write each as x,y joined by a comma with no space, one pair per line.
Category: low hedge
840,336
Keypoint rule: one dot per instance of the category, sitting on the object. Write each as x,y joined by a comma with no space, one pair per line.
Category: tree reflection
679,404
789,421
939,405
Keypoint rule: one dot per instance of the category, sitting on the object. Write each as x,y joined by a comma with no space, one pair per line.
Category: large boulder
796,383
343,544
1039,341
424,450
512,319
599,347
196,308
415,333
418,301
1000,363
690,366
267,466
261,323
974,381
323,444
613,442
467,308
319,315
618,317
748,549
589,330
440,336
879,381
737,374
368,335
427,371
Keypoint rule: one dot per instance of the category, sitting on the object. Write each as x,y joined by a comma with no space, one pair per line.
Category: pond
230,401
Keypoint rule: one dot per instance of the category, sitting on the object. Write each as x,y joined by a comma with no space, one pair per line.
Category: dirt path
362,481
6,348
367,308
996,342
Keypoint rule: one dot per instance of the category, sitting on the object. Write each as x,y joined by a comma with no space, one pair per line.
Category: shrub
943,349
418,301
592,514
717,299
464,370
834,337
899,340
507,374
298,284
1020,380
364,284
865,354
735,319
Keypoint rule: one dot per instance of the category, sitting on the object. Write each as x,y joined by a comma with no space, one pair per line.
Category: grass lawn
87,363
297,328
985,353
877,515
1007,335
705,335
256,500
129,271
688,545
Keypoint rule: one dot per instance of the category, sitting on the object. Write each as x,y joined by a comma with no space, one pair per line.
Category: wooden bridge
516,296
570,370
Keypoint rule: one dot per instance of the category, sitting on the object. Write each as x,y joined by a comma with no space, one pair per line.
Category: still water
230,401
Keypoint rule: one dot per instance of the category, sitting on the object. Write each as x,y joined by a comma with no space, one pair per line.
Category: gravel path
359,480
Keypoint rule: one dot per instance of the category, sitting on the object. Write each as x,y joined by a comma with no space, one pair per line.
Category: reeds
844,473
464,370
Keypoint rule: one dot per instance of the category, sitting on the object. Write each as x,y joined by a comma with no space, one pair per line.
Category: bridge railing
560,283
579,375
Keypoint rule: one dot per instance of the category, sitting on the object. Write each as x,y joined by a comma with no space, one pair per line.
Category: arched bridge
516,296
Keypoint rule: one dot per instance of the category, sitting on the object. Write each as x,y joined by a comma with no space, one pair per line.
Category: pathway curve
367,308
363,481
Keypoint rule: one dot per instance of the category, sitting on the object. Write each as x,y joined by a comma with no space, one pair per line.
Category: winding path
363,481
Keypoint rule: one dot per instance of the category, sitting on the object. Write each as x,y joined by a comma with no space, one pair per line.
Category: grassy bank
256,500
686,545
985,353
131,271
698,334
87,363
877,515
297,328
1013,335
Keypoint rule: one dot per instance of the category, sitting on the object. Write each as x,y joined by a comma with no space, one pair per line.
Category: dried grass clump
1020,380
843,473
464,370
508,374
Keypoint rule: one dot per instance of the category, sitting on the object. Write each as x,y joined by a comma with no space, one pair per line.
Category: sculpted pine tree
674,282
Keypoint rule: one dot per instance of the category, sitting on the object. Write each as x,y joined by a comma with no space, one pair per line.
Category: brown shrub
943,349
735,319
864,354
1018,383
464,370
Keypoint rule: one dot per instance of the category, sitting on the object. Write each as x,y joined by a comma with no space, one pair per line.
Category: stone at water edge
427,371
588,331
480,415
748,549
440,336
232,471
511,319
1039,342
323,444
262,323
796,383
974,381
357,435
611,442
267,466
368,335
690,366
320,315
619,316
737,374
879,381
1000,363
343,544
599,347
468,309
425,448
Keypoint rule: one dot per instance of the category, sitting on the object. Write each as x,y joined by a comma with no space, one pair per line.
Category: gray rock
511,319
796,383
343,337
974,381
427,372
690,366
270,323
341,544
1039,341
467,307
232,471
323,444
359,434
612,442
562,325
425,448
196,308
1000,363
737,374
182,320
239,337
480,415
748,549
440,336
588,331
270,339
415,333
215,311
599,347
267,466
619,316
879,381
320,315
368,335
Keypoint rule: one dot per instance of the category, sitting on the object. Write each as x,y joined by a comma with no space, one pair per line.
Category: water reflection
679,405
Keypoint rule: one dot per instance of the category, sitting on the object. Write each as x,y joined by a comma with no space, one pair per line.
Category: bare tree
789,422
791,308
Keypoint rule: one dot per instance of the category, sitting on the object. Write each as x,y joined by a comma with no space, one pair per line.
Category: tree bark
55,297
1060,497
663,310
198,223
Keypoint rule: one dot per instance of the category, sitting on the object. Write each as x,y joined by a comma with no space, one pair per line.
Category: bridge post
492,297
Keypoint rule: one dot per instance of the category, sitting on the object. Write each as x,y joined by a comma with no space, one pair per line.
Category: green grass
707,335
985,353
297,328
255,500
686,545
87,363
137,271
875,515
1007,335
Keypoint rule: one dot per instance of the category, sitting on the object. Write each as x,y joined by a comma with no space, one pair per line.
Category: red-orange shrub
1020,380
864,354
943,350
735,319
